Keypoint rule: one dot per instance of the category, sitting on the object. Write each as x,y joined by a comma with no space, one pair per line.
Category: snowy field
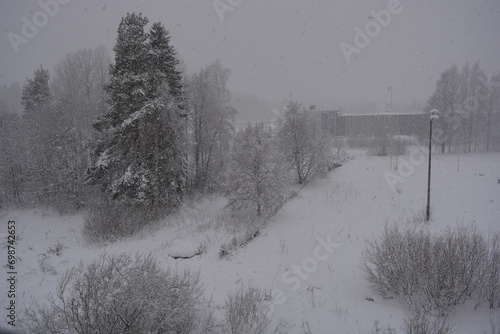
309,254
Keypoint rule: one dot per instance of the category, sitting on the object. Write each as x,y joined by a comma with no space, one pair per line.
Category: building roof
386,114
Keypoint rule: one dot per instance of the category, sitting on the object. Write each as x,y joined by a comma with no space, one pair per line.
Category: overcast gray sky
279,49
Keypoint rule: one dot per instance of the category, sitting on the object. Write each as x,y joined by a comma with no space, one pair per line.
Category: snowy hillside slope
308,254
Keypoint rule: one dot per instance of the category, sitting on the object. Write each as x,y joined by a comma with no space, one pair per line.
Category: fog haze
280,50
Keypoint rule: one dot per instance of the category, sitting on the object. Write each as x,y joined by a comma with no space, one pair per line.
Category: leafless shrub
457,266
45,266
121,294
435,272
238,241
248,311
282,327
415,217
110,221
381,330
258,180
419,321
283,247
358,142
491,286
57,249
388,265
379,147
383,146
494,324
305,150
105,223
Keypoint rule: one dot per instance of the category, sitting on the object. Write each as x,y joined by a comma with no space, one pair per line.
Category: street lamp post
434,116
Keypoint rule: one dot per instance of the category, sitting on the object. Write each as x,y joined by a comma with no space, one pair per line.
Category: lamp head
434,114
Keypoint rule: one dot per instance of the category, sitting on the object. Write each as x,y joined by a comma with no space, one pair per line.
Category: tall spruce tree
139,156
167,160
164,62
36,91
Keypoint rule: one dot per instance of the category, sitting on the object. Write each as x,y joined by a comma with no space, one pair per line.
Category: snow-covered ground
308,254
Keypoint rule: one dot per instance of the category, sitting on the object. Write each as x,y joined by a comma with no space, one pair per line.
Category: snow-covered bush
122,294
306,151
354,142
378,329
248,310
384,145
494,324
388,264
106,223
45,265
490,291
239,240
457,267
419,321
57,249
112,221
379,146
432,271
258,181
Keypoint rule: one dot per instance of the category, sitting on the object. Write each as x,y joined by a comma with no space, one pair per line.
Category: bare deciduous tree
446,99
468,105
305,150
211,121
77,86
257,177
